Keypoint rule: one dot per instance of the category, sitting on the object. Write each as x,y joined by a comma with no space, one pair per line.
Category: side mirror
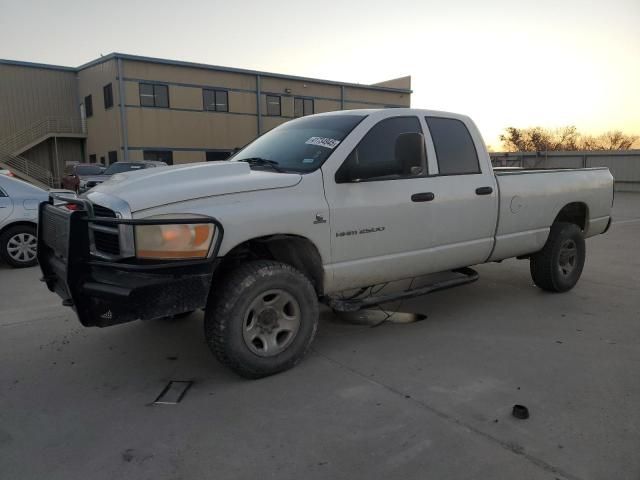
411,153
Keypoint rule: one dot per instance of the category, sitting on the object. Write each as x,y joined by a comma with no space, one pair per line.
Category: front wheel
262,319
18,246
558,266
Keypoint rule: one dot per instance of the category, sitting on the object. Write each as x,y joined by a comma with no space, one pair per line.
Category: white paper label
323,142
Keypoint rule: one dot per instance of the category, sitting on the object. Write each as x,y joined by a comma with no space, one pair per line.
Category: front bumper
104,293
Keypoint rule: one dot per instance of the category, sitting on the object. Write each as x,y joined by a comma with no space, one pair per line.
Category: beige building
124,107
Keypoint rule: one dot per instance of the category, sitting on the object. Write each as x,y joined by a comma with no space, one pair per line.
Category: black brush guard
104,293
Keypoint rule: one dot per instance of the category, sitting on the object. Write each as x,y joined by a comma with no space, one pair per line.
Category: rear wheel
18,246
262,319
558,266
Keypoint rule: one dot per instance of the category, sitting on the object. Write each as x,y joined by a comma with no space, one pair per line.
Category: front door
378,232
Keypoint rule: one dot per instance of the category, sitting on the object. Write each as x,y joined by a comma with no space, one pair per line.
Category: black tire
555,268
7,241
230,317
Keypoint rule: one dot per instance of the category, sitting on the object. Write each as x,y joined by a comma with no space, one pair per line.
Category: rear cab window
455,151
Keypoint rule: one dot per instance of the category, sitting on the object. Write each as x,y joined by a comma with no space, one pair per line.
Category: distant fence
624,164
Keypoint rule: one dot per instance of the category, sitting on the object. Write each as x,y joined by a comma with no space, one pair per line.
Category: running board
355,304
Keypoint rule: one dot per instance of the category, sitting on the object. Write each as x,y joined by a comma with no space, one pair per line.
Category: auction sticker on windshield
323,142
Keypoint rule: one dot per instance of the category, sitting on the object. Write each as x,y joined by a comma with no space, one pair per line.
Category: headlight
174,241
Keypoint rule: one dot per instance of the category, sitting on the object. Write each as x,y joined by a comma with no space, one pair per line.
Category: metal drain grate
173,393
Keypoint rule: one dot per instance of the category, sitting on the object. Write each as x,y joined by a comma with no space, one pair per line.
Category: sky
502,62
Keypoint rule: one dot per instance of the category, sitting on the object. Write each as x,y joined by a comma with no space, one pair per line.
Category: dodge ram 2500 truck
321,208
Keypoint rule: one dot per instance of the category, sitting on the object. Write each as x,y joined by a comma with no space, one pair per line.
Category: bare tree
538,139
613,140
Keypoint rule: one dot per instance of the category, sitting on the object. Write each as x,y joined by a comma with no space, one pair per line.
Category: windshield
120,167
88,170
300,145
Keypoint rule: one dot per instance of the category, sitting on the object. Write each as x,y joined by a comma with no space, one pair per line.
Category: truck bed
530,200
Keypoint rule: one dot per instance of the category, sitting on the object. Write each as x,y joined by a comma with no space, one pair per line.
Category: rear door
463,212
6,206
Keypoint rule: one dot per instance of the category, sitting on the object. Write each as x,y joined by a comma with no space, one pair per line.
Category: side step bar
353,305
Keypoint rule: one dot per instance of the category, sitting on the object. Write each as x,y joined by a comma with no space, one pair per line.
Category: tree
613,140
538,139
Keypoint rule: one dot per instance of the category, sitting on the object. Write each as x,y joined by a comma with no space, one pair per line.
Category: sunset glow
503,63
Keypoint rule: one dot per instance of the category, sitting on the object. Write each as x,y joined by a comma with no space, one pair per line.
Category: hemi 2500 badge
348,233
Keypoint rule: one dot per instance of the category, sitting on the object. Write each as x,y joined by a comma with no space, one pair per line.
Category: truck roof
391,112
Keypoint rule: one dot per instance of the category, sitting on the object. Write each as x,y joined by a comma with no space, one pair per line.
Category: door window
454,146
394,148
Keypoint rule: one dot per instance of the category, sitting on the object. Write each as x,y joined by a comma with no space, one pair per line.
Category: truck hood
153,187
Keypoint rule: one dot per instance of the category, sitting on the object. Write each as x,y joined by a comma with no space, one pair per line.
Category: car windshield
300,145
88,170
120,167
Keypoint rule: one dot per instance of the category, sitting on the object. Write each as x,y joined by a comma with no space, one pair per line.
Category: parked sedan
119,167
18,220
75,176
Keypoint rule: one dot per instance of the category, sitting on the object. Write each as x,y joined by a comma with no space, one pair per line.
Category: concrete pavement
430,399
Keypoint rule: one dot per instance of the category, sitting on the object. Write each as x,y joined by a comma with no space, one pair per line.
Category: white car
18,221
329,207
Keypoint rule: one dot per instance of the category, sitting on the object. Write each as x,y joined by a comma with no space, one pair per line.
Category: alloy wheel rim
271,322
22,247
568,257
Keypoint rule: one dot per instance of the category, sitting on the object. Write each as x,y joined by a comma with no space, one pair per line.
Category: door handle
422,197
484,191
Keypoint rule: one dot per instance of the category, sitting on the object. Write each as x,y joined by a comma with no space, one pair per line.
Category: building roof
204,66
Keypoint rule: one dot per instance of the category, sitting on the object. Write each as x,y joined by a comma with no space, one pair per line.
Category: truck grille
100,211
106,236
107,242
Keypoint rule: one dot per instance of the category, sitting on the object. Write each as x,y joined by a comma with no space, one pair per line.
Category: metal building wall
31,94
55,154
624,164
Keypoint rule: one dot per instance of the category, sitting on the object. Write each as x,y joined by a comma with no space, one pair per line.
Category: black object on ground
174,392
520,411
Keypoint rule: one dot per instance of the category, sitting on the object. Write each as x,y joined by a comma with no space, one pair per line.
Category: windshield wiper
262,162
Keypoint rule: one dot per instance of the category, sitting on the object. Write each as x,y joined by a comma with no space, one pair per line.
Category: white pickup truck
323,208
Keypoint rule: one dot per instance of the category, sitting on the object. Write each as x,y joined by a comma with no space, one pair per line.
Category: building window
113,156
218,155
302,106
154,95
165,156
215,100
273,106
88,106
93,158
454,146
107,92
